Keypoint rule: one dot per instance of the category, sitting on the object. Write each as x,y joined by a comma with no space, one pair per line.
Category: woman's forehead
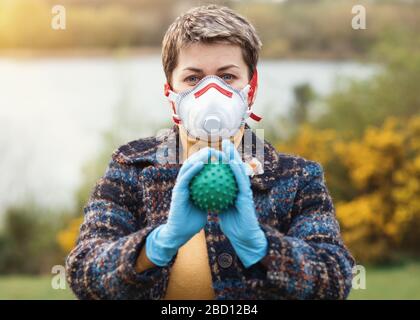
209,58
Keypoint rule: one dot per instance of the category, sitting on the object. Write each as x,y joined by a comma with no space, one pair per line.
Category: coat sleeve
102,265
309,261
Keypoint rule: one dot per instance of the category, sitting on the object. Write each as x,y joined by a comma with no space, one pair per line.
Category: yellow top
190,276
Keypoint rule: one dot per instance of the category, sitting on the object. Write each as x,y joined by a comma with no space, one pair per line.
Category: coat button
225,260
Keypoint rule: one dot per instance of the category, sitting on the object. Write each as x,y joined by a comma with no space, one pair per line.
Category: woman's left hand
240,223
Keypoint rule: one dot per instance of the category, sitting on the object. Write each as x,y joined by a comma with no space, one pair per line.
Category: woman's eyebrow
192,69
218,70
227,67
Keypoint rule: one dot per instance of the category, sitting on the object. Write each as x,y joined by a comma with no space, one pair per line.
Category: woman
142,238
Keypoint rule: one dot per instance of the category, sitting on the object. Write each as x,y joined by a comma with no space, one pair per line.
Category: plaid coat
306,256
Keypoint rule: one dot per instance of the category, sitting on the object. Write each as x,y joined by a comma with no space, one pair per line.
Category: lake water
53,113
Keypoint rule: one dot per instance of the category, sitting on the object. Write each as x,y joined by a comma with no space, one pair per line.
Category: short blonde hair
210,24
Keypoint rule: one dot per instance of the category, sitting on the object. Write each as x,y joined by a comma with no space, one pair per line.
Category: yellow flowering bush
67,238
377,198
311,143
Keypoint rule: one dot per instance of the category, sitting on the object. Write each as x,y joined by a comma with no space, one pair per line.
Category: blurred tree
303,96
27,242
391,92
368,141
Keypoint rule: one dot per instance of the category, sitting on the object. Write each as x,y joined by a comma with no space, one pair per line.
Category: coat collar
166,146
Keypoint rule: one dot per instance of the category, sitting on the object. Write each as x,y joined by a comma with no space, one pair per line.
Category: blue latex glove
184,219
240,223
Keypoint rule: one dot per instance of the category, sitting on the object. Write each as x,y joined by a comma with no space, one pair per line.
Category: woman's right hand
184,219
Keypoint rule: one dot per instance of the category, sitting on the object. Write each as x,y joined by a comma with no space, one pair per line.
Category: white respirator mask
212,108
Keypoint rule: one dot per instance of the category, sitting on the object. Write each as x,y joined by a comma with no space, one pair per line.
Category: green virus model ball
214,188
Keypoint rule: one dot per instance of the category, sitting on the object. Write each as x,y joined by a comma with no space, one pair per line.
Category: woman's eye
228,77
191,79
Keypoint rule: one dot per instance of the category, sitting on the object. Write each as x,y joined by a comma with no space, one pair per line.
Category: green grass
32,287
390,282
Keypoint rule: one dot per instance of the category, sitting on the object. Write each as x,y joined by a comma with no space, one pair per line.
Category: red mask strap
166,89
253,86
